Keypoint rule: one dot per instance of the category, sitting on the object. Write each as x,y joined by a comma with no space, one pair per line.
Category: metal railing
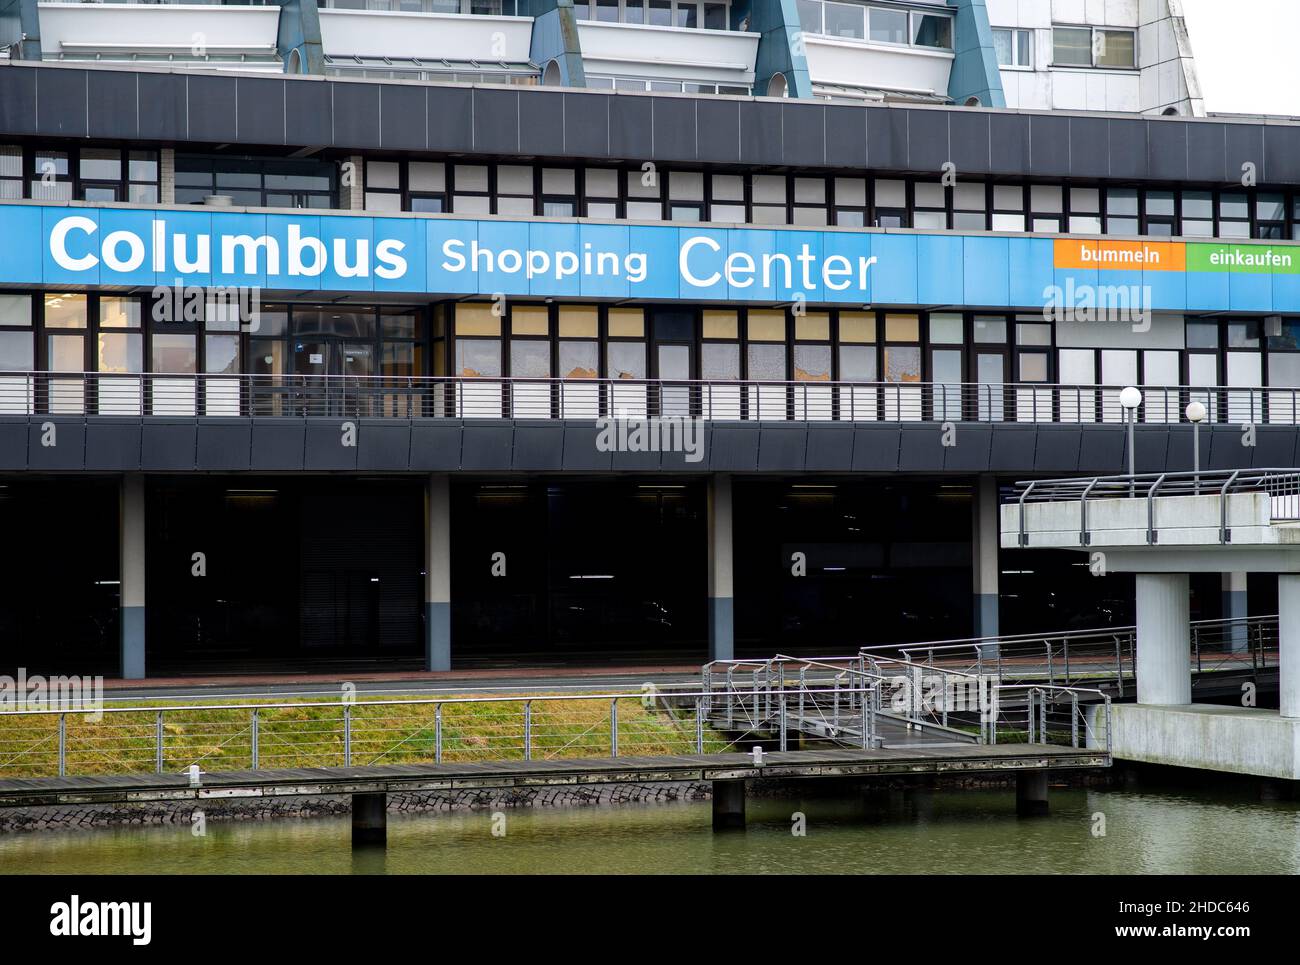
273,735
1103,657
1281,485
415,397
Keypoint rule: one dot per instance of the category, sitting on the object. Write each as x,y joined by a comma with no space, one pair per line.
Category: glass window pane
100,165
626,323
902,328
579,360
66,353
945,329
625,360
902,363
1202,335
115,312
857,363
812,327
65,311
857,327
529,320
1033,367
16,310
810,15
477,319
16,352
1072,46
721,324
1033,333
931,30
426,176
1115,48
767,363
401,324
1046,199
221,354
174,353
121,352
720,360
812,363
1002,48
476,357
887,26
530,359
766,325
990,329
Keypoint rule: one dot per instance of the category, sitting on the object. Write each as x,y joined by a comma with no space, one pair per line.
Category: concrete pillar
1031,793
984,553
437,573
131,576
1164,650
369,818
1288,632
728,804
1235,607
721,587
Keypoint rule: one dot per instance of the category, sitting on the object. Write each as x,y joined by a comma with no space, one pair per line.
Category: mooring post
729,804
370,818
1031,793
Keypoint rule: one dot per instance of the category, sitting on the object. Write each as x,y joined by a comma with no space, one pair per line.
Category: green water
1179,832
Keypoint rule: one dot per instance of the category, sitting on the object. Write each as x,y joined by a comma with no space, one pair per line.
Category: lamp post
1195,413
1129,399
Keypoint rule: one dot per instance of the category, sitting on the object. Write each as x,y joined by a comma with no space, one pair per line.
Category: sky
1247,54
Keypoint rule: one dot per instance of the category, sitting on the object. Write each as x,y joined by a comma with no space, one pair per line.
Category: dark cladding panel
630,122
674,128
1151,446
325,444
1167,150
928,147
487,446
1274,447
309,112
1049,145
718,129
922,447
581,449
1206,151
113,104
451,119
435,448
782,448
278,444
887,138
1057,450
1281,155
830,449
846,136
970,453
760,132
163,106
803,134
356,115
260,115
1128,148
1221,448
541,122
383,444
1012,448
1089,147
586,126
68,448
1245,147
13,445
18,100
61,103
1008,143
113,445
732,448
635,461
211,109
403,118
968,135
223,444
496,121
875,447
1103,449
538,446
168,446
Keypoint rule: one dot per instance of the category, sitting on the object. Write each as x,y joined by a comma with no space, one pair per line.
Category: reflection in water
1205,831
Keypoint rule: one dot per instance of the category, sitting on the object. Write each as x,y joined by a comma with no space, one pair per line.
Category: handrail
1151,509
1225,536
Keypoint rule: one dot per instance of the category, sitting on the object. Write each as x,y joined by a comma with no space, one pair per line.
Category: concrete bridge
1163,527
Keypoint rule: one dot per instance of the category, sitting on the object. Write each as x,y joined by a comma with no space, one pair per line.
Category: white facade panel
670,53
425,36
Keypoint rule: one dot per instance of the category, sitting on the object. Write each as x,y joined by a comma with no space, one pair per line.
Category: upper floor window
885,25
79,174
1014,48
1094,47
708,14
483,8
257,182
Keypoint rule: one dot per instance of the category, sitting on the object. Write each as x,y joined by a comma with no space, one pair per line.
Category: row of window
706,14
882,25
79,174
1114,47
481,8
778,199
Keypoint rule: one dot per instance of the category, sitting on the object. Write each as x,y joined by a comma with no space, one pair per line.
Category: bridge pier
729,804
1288,642
370,819
1031,793
1164,650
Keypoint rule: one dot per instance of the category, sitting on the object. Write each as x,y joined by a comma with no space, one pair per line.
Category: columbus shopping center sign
57,246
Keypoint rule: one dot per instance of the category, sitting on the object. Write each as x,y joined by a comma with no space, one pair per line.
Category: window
931,30
883,25
727,202
1198,214
711,15
1094,47
1160,214
257,181
600,186
769,199
1013,48
1121,211
84,174
1085,211
888,26
514,190
11,171
1234,215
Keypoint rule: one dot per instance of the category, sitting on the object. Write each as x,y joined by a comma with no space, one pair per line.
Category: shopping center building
531,333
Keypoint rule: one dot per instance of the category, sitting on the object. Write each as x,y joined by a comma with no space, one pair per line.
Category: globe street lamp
1129,399
1195,413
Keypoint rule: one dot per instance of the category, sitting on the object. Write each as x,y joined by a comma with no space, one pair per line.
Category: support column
1164,651
131,576
721,603
728,804
1031,793
1288,633
984,553
369,818
1235,607
437,573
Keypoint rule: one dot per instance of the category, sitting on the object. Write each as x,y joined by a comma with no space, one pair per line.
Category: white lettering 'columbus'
73,248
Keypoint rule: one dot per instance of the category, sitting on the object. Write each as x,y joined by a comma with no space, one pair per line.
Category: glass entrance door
331,371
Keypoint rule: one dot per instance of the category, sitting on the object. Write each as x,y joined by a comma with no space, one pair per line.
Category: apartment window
120,345
711,15
1093,47
888,26
931,30
1295,219
1085,211
1014,48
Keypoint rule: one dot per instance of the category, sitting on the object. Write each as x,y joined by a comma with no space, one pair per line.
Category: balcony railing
168,394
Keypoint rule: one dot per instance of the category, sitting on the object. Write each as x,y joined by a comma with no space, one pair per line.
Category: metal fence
173,395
